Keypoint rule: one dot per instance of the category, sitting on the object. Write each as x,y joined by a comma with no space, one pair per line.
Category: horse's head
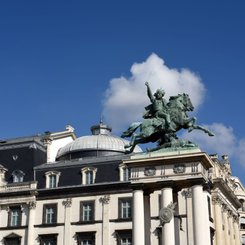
187,102
181,101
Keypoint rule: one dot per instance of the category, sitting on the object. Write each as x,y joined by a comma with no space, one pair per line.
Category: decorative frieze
194,167
150,171
179,168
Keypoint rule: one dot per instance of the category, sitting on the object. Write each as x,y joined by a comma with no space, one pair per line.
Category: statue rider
158,108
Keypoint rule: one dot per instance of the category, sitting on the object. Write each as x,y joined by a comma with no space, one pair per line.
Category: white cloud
126,98
223,143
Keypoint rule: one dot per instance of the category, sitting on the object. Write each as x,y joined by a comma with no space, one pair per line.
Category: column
31,221
138,218
219,238
201,237
237,231
67,228
147,214
168,236
231,230
225,222
105,220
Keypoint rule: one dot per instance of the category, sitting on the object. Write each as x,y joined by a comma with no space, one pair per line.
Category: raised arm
149,93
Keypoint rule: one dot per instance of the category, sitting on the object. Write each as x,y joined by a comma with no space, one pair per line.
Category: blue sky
62,62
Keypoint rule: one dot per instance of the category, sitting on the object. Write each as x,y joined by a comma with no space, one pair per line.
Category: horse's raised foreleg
205,130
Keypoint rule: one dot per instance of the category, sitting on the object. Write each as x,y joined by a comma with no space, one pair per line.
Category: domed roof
100,143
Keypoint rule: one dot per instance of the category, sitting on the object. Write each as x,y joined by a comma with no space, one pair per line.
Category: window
126,241
87,211
125,208
50,239
88,175
242,223
124,237
15,215
50,213
18,176
12,239
243,239
85,238
52,179
209,209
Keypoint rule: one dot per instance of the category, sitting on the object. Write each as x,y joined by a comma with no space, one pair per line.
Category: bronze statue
162,120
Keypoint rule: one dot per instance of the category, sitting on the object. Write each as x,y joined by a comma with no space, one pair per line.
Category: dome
100,143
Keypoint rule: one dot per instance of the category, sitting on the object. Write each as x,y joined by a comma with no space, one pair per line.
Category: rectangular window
87,211
125,207
14,216
86,242
52,181
124,237
126,241
50,213
12,241
48,239
85,238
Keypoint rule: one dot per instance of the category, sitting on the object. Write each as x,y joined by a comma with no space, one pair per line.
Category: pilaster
67,228
105,200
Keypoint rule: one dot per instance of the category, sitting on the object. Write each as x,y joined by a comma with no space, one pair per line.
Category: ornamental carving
150,171
179,168
105,199
187,193
32,204
67,203
166,213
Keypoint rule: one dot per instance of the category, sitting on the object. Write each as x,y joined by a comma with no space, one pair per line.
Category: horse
155,129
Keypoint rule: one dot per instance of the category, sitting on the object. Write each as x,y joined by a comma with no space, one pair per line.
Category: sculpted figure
162,120
158,108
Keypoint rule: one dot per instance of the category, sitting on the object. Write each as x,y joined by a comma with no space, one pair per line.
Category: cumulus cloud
126,98
223,143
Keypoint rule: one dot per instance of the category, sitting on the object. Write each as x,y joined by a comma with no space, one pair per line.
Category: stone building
59,189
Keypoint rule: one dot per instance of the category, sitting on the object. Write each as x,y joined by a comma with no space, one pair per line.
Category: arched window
124,172
52,179
18,176
88,175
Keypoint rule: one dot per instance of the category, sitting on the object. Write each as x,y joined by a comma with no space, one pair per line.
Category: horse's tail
132,128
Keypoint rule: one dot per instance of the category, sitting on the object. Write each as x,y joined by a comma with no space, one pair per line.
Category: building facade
59,189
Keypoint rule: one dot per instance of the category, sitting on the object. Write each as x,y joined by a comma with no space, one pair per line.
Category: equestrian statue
162,120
